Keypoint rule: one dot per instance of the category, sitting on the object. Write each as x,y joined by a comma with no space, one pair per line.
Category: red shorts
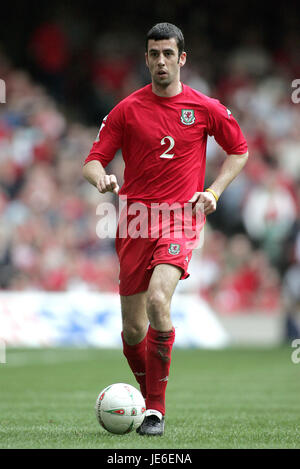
141,247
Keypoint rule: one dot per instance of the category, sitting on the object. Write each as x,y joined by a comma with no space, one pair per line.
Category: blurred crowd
251,256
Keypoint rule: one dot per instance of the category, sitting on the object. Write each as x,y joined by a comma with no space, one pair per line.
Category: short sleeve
225,129
109,138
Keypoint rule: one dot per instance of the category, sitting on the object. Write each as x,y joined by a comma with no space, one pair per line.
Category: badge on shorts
187,116
174,249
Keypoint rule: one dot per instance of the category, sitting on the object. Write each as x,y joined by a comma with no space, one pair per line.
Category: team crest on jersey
174,249
187,116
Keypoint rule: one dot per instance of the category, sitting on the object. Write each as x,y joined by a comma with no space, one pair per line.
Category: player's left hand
203,201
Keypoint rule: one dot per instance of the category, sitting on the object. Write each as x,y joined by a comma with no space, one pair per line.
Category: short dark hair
166,31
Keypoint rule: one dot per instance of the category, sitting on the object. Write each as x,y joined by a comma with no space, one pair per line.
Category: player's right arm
94,172
108,141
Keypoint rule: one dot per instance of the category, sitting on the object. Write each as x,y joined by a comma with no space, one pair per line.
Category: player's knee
158,306
133,333
157,301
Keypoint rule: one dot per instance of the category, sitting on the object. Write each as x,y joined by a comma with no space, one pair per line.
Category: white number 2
172,143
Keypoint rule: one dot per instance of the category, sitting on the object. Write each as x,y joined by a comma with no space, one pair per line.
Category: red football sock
136,357
159,348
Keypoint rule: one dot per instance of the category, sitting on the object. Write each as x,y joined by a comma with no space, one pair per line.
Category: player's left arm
231,167
227,133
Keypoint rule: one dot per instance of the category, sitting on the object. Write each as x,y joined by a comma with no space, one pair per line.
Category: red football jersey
163,142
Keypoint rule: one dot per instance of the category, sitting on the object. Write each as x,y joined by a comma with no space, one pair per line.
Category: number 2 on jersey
165,154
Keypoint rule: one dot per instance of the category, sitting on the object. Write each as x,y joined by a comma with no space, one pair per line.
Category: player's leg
134,330
134,317
160,339
159,295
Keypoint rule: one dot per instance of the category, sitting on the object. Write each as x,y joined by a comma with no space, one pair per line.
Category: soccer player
162,130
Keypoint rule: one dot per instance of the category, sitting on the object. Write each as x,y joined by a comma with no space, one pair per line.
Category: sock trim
153,412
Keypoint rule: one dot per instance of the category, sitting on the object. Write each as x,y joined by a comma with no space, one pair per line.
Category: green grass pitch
234,398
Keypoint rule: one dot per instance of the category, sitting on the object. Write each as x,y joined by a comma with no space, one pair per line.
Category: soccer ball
120,408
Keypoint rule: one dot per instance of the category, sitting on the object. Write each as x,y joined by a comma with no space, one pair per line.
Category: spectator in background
269,213
50,54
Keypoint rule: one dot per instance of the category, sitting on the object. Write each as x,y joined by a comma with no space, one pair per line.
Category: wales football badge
187,116
174,249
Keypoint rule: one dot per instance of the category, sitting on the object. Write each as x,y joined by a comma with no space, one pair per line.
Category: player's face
163,61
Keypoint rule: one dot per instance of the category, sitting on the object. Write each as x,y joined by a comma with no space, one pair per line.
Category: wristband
213,193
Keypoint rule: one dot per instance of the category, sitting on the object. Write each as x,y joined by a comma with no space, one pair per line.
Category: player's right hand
108,183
